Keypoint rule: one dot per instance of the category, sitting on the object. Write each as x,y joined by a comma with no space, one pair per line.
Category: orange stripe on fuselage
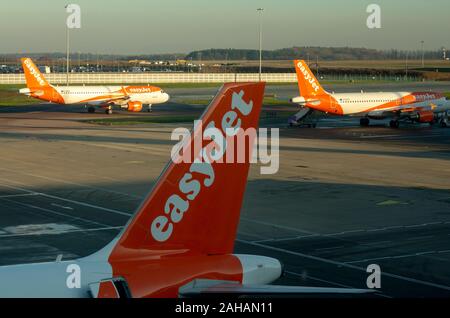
124,91
413,98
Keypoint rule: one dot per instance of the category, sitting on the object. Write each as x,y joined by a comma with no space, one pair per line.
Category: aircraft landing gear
364,122
149,109
109,110
394,124
91,109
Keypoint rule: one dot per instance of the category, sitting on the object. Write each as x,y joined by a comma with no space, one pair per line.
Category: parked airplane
180,241
421,107
131,98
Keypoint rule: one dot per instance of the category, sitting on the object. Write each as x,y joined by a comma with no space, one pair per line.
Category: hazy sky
169,26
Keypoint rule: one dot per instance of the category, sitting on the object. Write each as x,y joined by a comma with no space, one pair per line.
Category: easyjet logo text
308,77
201,172
140,90
34,72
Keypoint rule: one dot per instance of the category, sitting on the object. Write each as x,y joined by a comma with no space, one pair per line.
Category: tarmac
344,197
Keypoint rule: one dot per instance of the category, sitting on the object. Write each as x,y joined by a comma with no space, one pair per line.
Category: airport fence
98,78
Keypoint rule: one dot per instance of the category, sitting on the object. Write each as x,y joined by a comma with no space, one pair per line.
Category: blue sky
159,26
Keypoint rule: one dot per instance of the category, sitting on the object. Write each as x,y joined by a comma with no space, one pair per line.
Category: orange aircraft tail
196,206
308,84
33,76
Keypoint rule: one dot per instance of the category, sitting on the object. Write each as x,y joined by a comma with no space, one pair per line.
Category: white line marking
64,232
73,183
329,248
336,263
249,234
376,243
397,256
61,206
277,226
66,200
55,212
18,195
287,238
419,237
386,228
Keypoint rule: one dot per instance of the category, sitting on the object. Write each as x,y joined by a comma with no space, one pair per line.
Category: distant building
140,62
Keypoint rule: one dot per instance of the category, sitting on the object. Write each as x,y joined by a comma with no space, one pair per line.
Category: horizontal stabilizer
204,287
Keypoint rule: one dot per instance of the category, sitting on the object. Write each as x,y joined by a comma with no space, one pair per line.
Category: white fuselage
95,95
376,103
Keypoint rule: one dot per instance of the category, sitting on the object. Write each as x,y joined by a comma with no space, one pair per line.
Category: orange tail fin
308,84
196,206
33,76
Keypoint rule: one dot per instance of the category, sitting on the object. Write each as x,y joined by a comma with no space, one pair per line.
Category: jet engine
425,116
134,107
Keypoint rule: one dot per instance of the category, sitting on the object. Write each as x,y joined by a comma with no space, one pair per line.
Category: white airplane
180,241
421,107
131,98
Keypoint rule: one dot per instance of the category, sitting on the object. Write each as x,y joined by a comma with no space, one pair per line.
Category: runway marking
423,224
420,237
398,256
64,199
375,243
347,265
287,238
249,234
72,183
386,228
329,248
18,195
61,206
41,228
62,232
277,226
54,212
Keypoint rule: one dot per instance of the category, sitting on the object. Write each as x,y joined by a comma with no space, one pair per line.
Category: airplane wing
402,110
118,99
205,287
121,98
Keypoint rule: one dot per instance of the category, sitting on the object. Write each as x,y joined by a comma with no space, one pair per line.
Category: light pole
423,54
260,11
67,51
406,65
